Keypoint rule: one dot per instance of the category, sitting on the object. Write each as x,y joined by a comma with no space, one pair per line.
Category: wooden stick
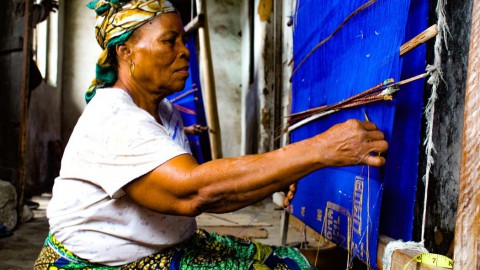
418,77
194,24
333,108
210,96
177,98
24,96
419,39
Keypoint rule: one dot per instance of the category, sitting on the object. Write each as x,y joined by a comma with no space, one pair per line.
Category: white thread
435,71
310,119
395,245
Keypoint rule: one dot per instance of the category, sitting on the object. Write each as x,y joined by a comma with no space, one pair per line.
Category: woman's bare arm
182,187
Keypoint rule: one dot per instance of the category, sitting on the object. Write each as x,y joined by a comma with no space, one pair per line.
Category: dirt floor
261,222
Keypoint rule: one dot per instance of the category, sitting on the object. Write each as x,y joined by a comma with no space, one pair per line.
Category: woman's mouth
182,71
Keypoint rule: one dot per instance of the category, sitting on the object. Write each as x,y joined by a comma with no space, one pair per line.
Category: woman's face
159,54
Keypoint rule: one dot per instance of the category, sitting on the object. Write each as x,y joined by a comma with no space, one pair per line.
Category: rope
436,75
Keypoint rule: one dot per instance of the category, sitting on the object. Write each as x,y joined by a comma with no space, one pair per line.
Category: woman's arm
182,187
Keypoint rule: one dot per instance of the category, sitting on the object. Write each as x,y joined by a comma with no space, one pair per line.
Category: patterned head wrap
116,21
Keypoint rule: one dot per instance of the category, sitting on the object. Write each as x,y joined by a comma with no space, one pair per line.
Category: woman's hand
195,129
351,143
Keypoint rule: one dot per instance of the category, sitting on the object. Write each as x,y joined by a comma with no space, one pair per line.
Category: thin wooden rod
24,96
195,24
177,98
418,77
421,38
334,108
210,98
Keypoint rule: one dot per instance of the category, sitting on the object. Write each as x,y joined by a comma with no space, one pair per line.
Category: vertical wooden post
467,230
206,70
24,96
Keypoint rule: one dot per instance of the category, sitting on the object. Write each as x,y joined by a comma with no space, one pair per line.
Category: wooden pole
24,96
419,39
194,24
206,71
467,229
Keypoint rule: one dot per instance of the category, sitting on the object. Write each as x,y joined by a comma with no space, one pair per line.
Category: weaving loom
189,103
351,206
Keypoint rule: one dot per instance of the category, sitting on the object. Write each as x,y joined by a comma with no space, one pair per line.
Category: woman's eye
170,41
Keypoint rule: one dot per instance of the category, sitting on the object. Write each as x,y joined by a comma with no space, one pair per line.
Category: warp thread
436,77
435,71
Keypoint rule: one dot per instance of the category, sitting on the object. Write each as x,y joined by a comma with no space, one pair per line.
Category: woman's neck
143,98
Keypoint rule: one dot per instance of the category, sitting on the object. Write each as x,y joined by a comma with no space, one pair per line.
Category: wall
80,55
226,43
11,45
43,123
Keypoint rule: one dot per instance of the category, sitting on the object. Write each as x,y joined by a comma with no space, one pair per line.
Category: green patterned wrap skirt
202,251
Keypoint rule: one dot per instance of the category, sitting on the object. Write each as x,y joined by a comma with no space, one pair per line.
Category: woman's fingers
378,146
374,161
375,135
367,125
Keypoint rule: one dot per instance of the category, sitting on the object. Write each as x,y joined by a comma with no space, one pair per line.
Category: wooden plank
467,229
400,257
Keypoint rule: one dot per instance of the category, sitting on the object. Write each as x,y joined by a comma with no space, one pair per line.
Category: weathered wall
43,109
256,102
447,133
11,45
80,55
225,38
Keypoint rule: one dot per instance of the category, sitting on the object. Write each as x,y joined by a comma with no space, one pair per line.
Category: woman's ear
123,52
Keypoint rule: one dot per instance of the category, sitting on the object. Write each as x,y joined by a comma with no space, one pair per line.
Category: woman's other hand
195,129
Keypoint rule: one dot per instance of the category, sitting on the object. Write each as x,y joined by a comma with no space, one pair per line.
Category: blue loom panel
360,55
191,108
400,195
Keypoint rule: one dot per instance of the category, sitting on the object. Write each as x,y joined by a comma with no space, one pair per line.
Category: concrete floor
18,252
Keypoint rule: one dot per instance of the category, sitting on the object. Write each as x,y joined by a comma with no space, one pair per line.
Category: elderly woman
129,190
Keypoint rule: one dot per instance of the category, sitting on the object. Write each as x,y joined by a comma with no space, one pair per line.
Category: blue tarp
190,104
346,204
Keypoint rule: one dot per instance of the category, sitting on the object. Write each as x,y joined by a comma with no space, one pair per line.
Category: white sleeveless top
113,143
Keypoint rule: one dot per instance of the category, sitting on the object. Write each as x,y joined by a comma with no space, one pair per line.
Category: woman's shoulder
110,97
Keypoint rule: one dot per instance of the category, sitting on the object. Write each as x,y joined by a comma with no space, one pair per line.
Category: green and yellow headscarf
116,21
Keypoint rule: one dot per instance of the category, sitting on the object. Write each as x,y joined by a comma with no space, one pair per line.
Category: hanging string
355,12
436,76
